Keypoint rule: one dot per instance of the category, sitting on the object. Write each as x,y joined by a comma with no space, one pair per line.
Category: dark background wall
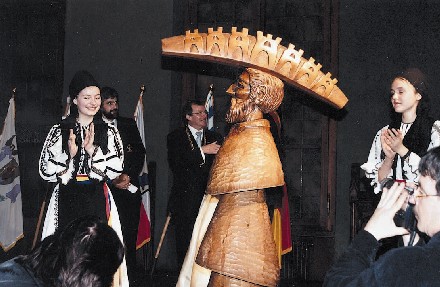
31,61
119,42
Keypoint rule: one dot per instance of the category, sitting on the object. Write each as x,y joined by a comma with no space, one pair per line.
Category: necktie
199,138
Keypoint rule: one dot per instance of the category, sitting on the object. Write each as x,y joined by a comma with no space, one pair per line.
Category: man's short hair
109,93
430,166
187,108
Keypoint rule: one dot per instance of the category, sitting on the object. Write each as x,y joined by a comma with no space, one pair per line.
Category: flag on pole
11,216
66,109
209,106
144,228
281,218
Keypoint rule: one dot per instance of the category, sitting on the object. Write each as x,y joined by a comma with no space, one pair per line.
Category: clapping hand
386,147
394,139
73,148
89,139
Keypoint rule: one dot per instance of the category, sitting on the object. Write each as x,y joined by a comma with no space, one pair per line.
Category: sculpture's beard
239,110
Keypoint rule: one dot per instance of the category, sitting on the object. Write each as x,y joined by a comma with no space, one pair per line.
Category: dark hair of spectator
87,252
430,166
109,93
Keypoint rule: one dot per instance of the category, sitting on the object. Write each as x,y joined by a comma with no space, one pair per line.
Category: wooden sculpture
237,248
238,245
261,52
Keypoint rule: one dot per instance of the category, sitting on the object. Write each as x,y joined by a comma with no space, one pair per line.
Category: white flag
11,215
144,231
209,107
66,109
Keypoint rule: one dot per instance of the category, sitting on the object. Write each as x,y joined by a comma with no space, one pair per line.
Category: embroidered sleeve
110,165
435,135
374,162
54,163
411,164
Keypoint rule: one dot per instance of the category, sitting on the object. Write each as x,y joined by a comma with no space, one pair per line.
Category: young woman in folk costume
80,154
398,147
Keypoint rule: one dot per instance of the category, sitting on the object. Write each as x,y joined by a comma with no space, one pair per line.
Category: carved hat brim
260,52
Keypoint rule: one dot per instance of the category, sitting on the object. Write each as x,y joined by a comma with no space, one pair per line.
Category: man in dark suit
191,151
125,188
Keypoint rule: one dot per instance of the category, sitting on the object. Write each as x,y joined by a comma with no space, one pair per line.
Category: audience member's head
109,103
86,253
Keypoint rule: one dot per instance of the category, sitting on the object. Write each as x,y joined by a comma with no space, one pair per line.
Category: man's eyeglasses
200,113
424,195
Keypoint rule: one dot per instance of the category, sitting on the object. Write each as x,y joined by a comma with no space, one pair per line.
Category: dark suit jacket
134,150
190,172
129,203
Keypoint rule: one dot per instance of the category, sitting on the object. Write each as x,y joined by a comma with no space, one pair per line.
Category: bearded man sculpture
238,246
232,243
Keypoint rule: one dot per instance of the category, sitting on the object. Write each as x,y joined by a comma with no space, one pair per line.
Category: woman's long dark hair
85,253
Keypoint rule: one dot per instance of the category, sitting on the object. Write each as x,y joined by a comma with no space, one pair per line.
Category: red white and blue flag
209,106
144,228
11,215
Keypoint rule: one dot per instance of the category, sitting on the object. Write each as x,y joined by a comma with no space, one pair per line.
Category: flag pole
162,237
40,216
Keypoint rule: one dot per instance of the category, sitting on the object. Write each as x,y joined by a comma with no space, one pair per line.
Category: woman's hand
387,149
394,138
73,148
89,139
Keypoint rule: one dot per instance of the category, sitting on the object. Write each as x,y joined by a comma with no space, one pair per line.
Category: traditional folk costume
81,187
419,137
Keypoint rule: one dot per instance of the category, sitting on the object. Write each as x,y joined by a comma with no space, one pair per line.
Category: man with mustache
125,187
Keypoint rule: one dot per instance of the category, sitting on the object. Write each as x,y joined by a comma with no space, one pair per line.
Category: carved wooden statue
232,242
239,245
